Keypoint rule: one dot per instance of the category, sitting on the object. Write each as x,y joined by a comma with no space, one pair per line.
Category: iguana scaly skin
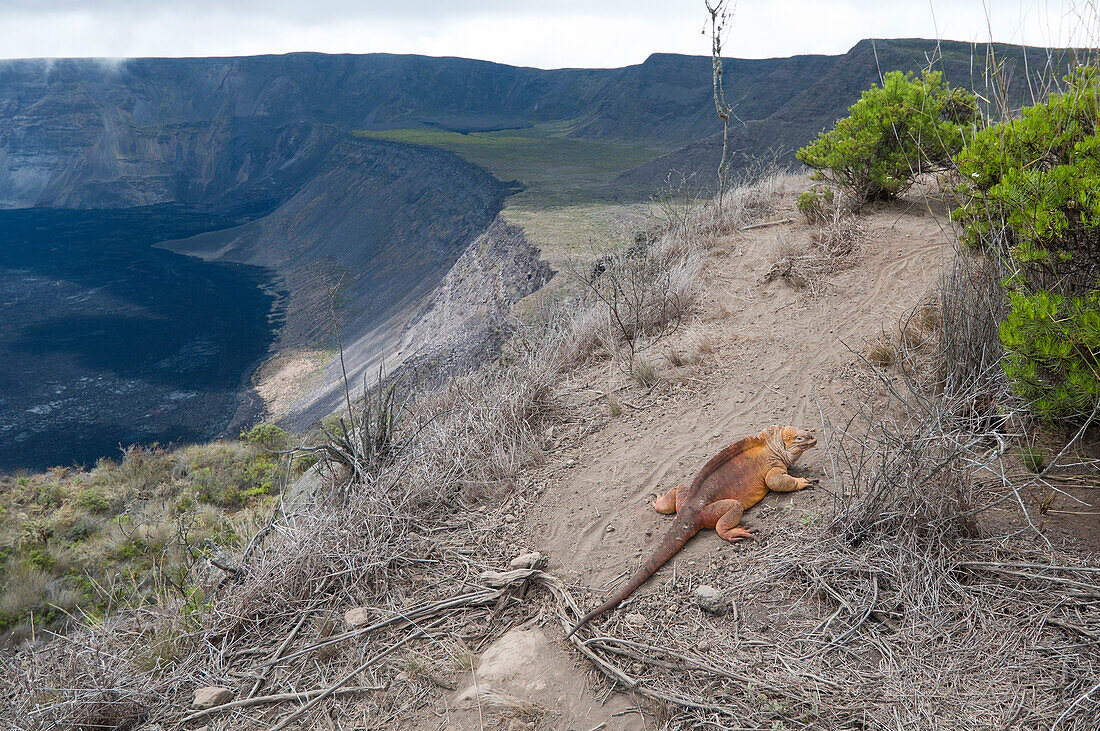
733,481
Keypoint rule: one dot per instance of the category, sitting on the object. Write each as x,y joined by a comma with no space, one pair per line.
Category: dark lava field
106,341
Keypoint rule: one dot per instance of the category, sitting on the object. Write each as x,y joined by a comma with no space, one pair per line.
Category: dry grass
833,246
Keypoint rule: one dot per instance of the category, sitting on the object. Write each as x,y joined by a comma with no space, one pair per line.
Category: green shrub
1031,196
1030,185
894,132
1034,459
93,499
815,204
267,436
40,558
233,484
1052,351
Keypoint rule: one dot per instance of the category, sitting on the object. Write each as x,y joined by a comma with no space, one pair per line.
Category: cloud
545,34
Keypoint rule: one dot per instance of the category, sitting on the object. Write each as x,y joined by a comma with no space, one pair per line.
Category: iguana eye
800,439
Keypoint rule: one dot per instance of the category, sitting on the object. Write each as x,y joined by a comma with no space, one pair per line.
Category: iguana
733,481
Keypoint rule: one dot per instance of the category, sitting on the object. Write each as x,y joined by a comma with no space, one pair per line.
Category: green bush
93,499
907,126
267,436
1030,186
233,484
1052,351
814,204
1031,196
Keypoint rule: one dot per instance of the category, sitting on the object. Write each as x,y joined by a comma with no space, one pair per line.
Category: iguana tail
682,531
686,526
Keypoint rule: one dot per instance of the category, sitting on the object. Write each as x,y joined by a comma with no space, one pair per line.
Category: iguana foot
735,534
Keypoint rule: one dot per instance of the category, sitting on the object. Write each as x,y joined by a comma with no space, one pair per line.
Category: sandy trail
775,352
779,355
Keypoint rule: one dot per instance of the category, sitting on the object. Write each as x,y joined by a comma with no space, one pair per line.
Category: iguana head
788,442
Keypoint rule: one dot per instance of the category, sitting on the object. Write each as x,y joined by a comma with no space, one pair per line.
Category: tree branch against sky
547,35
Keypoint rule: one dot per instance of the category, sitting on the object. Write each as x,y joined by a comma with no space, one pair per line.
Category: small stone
710,600
610,528
525,561
509,518
702,646
356,618
570,462
634,618
211,697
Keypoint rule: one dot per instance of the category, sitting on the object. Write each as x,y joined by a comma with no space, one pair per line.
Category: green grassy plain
569,202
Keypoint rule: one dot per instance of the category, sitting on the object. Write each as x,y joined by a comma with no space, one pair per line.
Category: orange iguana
733,481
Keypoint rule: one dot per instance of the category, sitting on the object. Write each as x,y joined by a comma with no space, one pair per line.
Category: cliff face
372,233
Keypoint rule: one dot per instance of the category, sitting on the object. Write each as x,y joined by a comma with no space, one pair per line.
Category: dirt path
775,351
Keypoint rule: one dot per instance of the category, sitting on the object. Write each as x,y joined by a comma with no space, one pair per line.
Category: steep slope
371,235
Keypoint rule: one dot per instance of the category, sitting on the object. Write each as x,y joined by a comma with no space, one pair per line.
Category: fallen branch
766,223
277,698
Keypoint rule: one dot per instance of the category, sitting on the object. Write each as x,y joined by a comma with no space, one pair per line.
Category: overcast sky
546,33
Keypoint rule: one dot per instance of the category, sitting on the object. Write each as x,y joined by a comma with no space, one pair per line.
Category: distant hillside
87,133
90,134
838,83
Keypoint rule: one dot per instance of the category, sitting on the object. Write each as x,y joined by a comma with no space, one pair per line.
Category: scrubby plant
93,499
814,204
1052,351
1034,459
907,126
268,436
1031,197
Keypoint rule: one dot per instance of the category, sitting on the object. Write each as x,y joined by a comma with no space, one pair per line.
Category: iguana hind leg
669,503
724,516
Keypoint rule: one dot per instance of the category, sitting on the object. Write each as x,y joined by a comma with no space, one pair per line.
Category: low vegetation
79,544
1029,200
894,133
835,238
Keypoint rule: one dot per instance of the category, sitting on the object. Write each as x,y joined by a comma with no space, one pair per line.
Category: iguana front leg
669,503
779,480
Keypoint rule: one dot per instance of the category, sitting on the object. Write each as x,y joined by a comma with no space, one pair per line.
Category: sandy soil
779,359
283,380
757,354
